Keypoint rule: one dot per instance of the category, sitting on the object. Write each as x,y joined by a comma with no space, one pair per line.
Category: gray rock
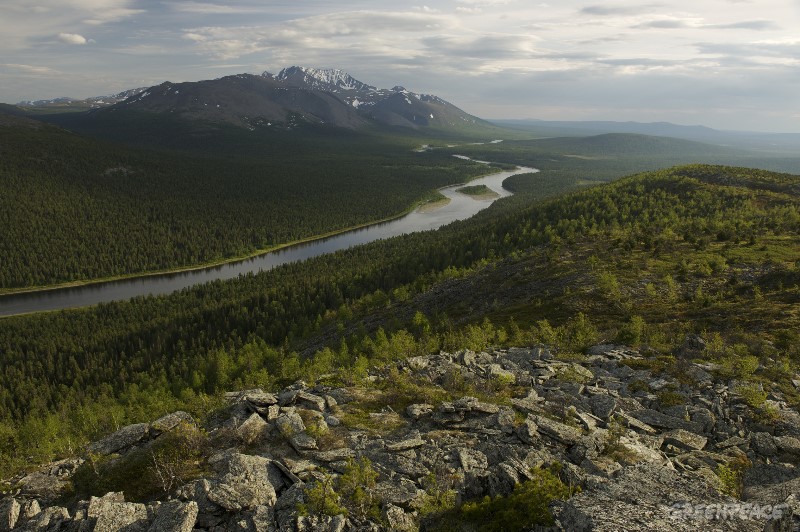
312,523
647,497
309,400
244,481
122,439
603,405
335,455
52,518
558,431
286,507
397,519
789,445
658,419
252,429
405,445
472,460
175,516
685,440
417,411
698,374
399,492
259,399
112,514
763,443
9,514
291,426
496,371
528,431
170,421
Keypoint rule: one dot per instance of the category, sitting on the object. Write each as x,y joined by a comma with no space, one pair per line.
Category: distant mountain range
293,97
787,143
93,102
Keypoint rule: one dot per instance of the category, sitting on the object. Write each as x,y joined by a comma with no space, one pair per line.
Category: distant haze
728,64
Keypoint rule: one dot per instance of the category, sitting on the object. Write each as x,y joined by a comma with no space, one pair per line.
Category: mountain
297,96
781,143
67,103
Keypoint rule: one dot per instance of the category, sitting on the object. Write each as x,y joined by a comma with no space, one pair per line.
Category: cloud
757,25
213,9
31,69
606,11
72,38
663,24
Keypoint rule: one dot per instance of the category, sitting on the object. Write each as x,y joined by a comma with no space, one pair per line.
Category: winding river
460,206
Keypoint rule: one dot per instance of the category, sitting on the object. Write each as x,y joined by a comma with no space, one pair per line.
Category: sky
728,64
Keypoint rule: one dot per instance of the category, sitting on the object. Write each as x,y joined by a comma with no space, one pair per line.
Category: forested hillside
646,259
75,209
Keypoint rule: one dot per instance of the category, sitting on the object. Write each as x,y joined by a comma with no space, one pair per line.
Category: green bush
730,476
525,508
169,461
351,494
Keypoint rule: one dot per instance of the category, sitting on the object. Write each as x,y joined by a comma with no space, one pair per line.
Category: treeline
77,209
221,334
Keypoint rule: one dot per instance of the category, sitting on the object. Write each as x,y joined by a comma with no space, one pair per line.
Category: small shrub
357,488
638,385
321,498
669,398
172,459
525,508
752,394
731,475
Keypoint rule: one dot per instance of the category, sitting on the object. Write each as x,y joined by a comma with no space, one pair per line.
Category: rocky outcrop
643,462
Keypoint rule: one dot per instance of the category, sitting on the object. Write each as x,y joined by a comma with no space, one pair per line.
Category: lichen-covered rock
685,439
171,421
111,513
252,429
244,481
648,497
9,513
122,439
175,516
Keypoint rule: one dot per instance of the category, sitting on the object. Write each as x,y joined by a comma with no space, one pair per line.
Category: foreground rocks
645,448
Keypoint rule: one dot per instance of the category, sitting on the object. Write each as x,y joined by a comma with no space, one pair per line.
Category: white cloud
32,69
72,38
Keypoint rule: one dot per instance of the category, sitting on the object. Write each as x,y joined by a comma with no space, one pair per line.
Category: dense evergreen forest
74,208
645,259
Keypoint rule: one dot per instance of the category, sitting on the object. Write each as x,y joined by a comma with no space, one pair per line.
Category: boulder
685,439
603,405
9,514
122,439
664,421
243,483
398,520
417,411
557,430
175,516
252,429
111,513
648,497
763,443
170,421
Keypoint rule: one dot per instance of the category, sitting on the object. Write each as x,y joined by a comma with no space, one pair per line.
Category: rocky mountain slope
639,444
296,96
94,102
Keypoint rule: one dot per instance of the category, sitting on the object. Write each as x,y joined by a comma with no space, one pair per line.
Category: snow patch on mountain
320,79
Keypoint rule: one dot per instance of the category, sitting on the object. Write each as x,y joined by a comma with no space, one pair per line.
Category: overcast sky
729,64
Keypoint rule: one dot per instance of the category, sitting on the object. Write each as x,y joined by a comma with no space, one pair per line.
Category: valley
447,322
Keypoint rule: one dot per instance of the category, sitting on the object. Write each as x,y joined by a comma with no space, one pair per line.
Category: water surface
460,207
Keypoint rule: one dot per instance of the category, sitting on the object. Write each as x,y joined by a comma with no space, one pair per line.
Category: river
461,206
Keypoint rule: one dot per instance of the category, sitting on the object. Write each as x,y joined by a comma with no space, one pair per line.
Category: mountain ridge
296,96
